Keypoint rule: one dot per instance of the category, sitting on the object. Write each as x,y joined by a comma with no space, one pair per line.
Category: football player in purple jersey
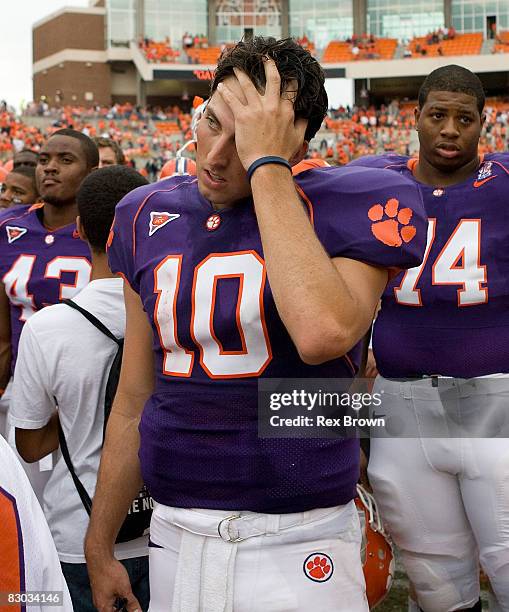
236,274
443,324
42,259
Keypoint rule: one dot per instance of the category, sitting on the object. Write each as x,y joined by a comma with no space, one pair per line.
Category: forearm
306,285
34,444
119,479
5,362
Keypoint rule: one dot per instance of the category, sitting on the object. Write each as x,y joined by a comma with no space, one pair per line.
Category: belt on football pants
209,546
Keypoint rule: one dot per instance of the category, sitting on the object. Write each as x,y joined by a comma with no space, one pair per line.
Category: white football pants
445,500
210,561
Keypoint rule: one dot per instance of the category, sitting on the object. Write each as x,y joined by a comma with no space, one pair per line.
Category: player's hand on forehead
264,122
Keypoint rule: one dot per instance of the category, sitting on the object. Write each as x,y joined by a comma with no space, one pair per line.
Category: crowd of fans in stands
151,136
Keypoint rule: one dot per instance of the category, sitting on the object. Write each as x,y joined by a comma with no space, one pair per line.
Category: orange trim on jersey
12,562
36,206
349,363
222,351
413,162
432,223
166,350
307,202
480,266
498,163
262,318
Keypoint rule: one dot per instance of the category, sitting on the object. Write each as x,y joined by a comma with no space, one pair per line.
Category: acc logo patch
159,220
13,232
318,567
391,223
485,174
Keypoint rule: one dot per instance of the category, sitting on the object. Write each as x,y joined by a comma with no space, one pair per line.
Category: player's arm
32,409
5,339
338,296
34,444
119,478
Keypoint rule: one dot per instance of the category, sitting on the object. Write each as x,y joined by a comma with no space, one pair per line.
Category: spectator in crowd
25,157
110,153
53,341
19,187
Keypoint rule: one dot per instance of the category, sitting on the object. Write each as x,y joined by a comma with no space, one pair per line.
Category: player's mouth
49,182
213,180
449,150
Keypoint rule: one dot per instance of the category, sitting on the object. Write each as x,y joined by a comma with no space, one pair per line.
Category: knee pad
442,582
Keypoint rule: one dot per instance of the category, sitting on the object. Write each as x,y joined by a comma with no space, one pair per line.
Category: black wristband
269,159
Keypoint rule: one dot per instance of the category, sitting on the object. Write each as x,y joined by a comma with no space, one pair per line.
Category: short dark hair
25,170
27,152
87,145
103,142
456,79
293,63
97,197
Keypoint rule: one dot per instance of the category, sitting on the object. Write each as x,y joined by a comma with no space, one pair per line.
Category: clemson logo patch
318,567
391,223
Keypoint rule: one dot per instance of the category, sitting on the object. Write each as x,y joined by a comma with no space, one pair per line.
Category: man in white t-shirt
28,559
64,361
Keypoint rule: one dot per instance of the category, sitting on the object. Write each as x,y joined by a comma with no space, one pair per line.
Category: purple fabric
441,337
45,291
199,442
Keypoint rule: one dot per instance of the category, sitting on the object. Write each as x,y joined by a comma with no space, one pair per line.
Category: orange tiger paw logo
391,223
318,567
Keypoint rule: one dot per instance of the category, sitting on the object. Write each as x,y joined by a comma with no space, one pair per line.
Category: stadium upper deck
163,51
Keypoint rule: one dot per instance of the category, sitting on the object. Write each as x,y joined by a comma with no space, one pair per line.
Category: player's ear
299,155
483,119
81,231
417,114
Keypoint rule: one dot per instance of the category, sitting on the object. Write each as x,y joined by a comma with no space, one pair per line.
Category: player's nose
219,153
449,128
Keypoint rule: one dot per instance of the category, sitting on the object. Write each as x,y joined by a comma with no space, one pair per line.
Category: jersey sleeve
32,402
121,241
367,214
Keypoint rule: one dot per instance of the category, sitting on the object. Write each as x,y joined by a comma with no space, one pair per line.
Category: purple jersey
449,315
38,267
201,277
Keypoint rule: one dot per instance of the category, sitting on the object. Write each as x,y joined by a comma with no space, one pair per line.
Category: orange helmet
178,167
376,553
308,164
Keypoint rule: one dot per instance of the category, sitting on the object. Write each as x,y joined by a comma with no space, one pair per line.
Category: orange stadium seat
461,44
341,51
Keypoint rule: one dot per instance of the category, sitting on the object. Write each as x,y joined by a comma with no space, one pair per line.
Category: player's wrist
267,161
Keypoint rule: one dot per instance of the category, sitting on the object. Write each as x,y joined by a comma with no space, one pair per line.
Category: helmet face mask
377,555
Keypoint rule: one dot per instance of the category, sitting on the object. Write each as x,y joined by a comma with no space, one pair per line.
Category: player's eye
211,121
437,115
465,119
